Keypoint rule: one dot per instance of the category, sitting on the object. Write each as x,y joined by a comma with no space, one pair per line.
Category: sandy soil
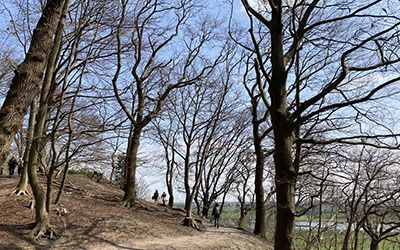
96,220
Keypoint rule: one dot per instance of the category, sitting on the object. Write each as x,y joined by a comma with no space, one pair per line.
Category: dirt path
210,238
96,220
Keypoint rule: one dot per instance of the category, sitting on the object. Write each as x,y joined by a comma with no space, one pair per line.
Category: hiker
164,198
12,164
155,197
216,214
20,165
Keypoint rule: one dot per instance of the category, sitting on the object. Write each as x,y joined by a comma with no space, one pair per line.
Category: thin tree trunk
188,200
206,207
22,188
70,138
259,227
25,85
242,215
346,240
196,200
65,172
170,189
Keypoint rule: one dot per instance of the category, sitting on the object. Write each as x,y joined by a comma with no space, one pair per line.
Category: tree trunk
346,240
26,83
198,206
42,206
170,188
42,163
206,208
259,226
169,177
285,181
285,173
188,200
22,188
42,219
131,161
69,142
374,245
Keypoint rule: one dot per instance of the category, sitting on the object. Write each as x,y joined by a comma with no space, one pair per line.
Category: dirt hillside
95,220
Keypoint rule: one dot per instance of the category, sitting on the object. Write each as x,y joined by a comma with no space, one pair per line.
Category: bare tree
222,160
156,73
305,79
167,136
366,180
42,223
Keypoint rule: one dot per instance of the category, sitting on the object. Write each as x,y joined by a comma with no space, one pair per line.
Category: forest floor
95,219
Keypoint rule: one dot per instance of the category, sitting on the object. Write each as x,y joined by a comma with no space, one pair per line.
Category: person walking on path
155,197
164,198
216,214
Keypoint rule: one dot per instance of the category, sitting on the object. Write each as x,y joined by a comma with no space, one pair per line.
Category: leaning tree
27,80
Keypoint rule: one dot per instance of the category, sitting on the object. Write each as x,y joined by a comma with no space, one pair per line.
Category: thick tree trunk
26,83
131,161
42,219
22,188
42,226
42,203
285,173
285,181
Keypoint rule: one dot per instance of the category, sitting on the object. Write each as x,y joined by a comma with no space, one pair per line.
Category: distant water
305,225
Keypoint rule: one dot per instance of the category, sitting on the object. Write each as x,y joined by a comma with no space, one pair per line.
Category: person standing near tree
216,214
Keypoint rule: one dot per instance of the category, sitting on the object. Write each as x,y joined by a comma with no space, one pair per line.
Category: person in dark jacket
155,197
20,166
216,214
12,164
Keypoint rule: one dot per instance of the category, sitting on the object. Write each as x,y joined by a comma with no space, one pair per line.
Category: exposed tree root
179,209
42,230
18,192
131,203
32,204
61,210
190,222
128,203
